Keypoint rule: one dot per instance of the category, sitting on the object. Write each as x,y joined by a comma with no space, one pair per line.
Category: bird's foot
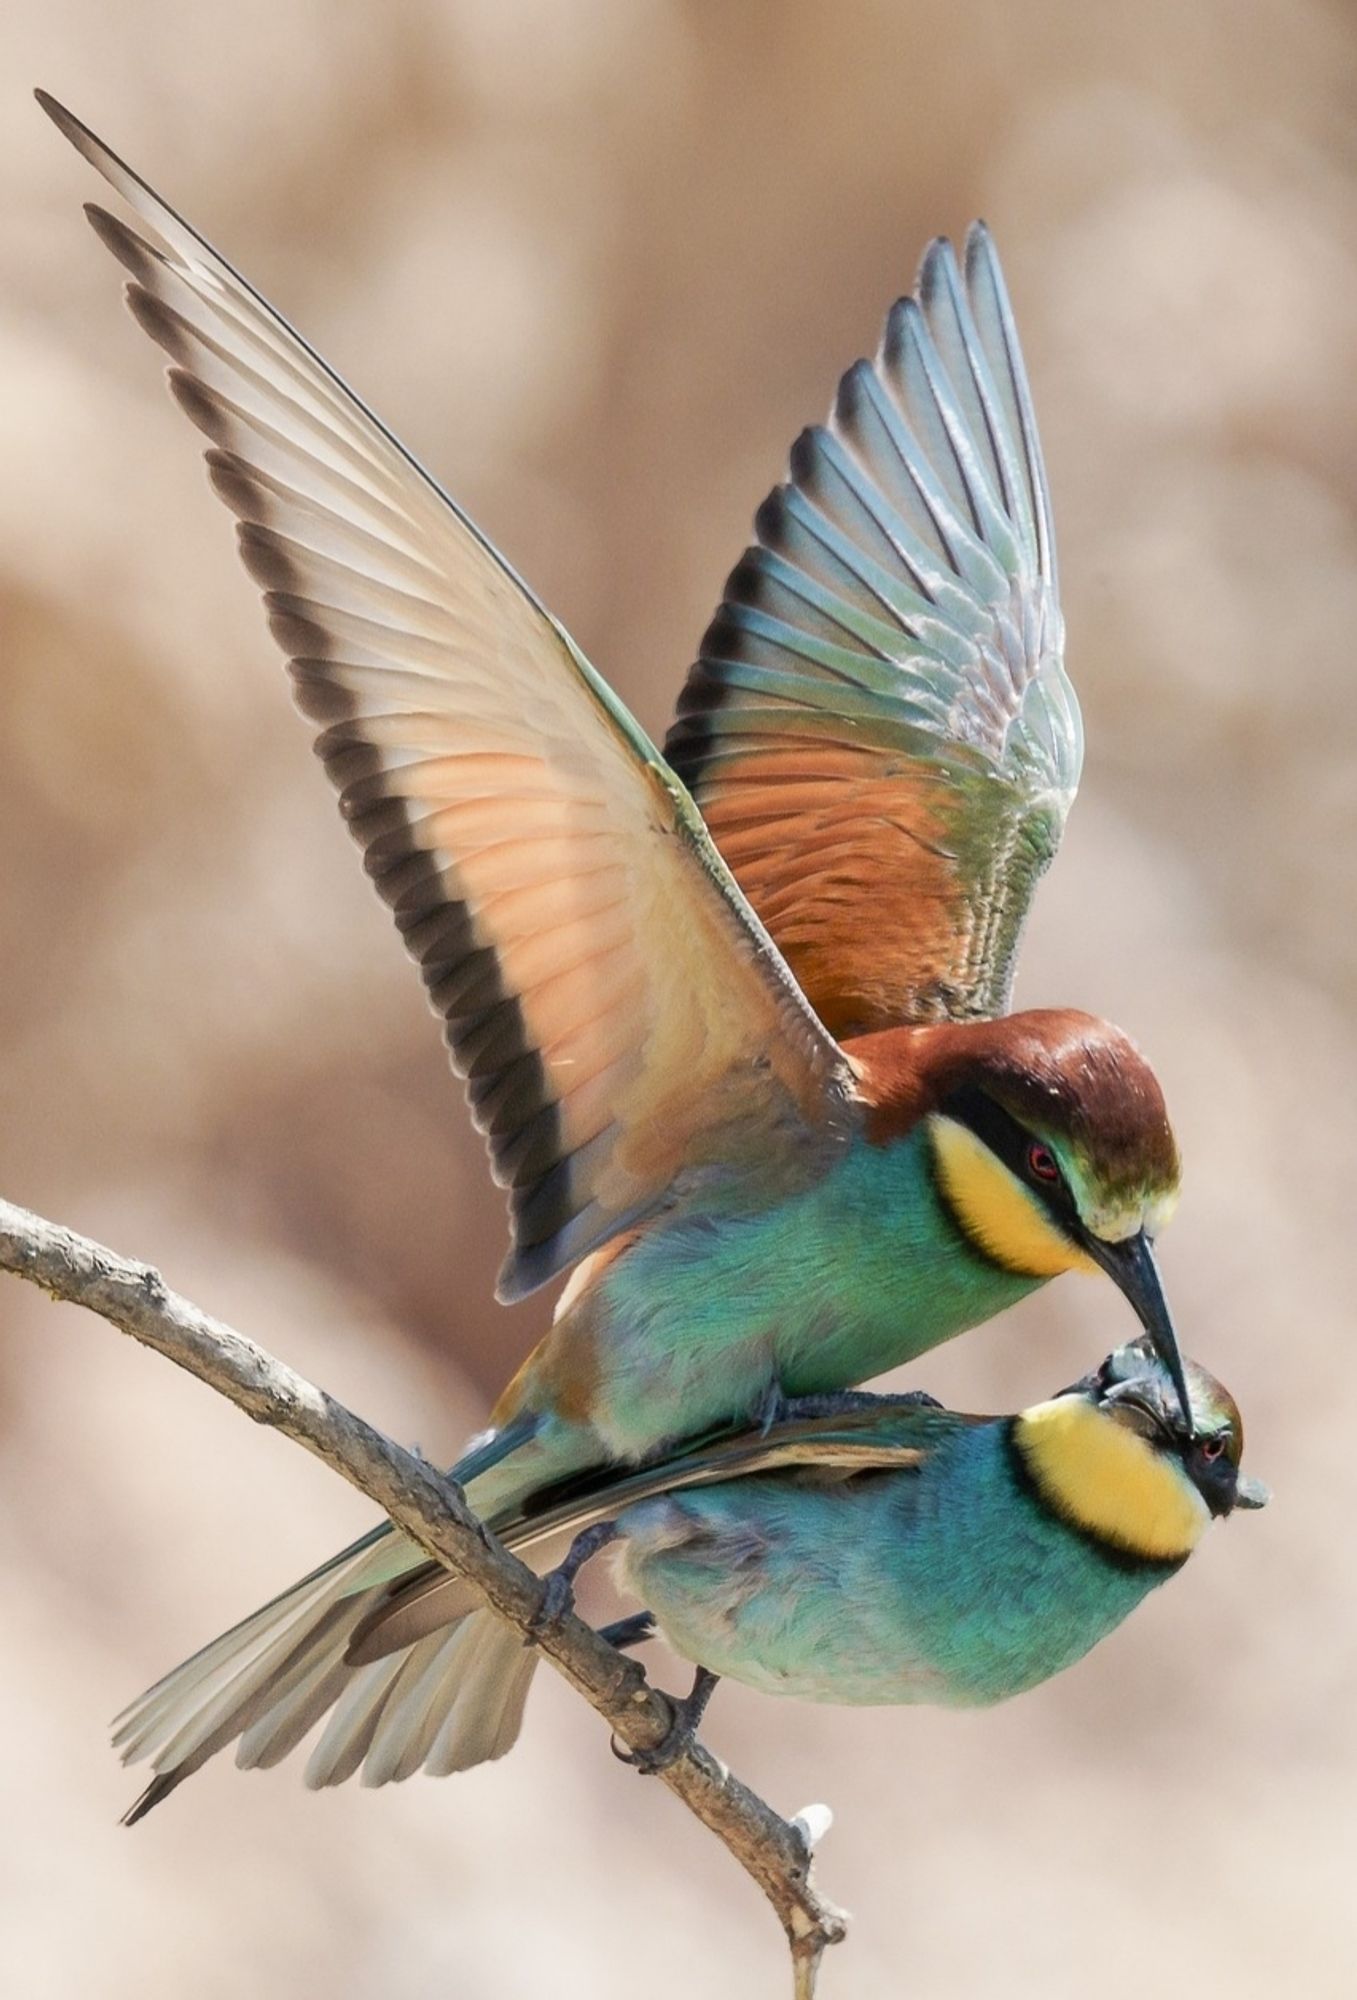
558,1585
772,1408
846,1402
682,1731
557,1602
835,1403
627,1632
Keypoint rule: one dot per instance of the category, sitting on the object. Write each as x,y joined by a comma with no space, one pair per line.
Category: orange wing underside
878,727
619,1021
848,857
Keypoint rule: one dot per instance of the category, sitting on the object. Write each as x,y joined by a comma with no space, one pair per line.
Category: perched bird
860,1549
775,1118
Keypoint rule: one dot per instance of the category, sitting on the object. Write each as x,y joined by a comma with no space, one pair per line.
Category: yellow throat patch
1108,1481
995,1210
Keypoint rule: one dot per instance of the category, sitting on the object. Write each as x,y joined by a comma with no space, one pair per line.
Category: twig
433,1512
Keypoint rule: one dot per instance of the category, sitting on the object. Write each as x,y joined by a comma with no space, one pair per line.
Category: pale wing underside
619,1015
878,729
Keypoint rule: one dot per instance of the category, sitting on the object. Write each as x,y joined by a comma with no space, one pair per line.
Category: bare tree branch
433,1512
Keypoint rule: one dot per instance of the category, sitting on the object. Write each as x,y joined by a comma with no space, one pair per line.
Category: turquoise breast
864,1271
952,1585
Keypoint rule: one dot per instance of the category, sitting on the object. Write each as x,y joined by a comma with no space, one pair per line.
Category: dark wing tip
71,127
202,406
980,250
805,453
158,1789
520,1276
131,251
55,110
935,266
903,327
161,323
854,390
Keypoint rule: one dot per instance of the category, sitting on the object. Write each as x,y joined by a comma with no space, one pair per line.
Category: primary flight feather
879,729
749,1076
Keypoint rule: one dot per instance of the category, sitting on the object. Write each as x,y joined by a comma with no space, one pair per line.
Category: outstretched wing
878,729
846,1435
618,1012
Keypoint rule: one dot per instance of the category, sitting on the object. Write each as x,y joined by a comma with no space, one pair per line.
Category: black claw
558,1585
681,1733
772,1409
558,1600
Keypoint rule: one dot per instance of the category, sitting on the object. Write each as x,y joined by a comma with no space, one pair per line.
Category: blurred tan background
598,261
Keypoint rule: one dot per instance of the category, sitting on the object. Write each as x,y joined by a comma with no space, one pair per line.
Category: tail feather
348,1734
420,1604
285,1711
158,1789
197,1741
487,1711
451,1699
236,1705
444,1695
232,1684
414,1708
378,1557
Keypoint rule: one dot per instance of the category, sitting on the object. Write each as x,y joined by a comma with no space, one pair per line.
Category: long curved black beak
1130,1265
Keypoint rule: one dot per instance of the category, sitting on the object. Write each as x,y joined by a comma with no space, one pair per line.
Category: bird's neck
1108,1482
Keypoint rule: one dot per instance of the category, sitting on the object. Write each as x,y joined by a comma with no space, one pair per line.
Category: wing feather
847,1435
621,1018
878,728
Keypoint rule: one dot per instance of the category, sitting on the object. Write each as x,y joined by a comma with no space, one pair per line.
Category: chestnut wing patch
878,728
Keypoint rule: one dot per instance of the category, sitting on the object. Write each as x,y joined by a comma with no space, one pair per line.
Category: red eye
1211,1449
1041,1163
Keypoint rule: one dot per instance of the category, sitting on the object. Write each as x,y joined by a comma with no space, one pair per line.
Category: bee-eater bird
776,1118
860,1549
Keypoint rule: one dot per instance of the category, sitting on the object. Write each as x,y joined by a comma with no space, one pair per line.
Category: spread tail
448,1697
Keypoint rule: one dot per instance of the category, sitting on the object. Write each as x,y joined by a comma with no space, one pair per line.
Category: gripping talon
681,1733
558,1585
558,1601
772,1408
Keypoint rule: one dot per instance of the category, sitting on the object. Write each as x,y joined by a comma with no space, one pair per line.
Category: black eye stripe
1010,1142
990,1122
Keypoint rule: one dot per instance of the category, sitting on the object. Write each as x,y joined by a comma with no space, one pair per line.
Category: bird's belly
795,1637
825,1595
819,1657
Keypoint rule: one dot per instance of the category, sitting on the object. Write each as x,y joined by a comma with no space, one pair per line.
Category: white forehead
1113,1221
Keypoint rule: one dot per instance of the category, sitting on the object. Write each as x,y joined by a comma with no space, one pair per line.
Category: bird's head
1112,1455
1051,1143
